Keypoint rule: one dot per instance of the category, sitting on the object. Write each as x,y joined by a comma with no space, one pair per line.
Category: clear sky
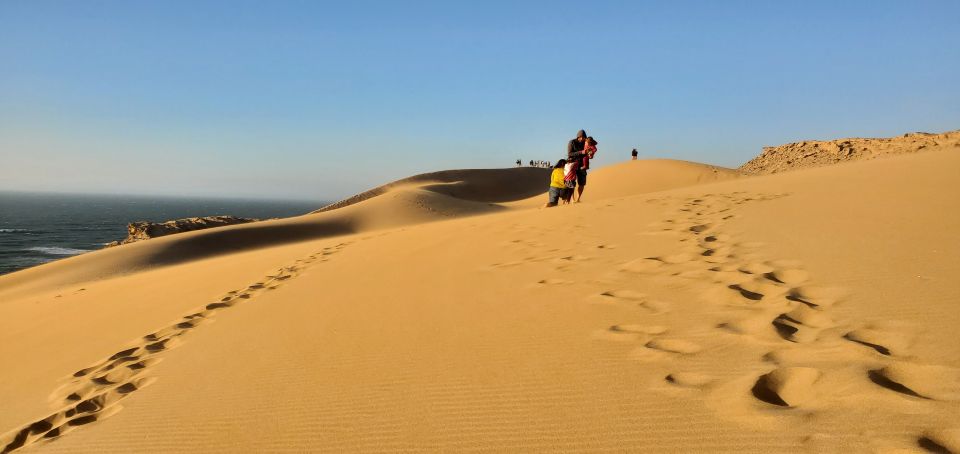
320,100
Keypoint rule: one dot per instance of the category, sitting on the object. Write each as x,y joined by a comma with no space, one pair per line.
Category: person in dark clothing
589,149
634,154
575,146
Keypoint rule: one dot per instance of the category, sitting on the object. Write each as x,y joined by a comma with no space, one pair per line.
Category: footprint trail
94,393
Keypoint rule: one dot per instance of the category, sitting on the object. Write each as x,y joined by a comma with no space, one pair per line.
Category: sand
680,307
817,153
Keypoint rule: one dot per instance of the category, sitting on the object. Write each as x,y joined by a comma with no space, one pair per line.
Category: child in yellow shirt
556,184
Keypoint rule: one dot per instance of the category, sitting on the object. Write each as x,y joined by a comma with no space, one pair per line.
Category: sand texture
816,153
680,307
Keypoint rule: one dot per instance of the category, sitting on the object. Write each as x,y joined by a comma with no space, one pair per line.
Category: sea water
37,228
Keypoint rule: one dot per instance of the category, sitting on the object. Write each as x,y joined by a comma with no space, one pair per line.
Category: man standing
575,146
634,154
575,154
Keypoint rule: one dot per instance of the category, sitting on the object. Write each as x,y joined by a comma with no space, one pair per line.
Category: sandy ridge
816,153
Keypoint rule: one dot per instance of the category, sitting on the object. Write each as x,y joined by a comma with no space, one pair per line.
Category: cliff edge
145,230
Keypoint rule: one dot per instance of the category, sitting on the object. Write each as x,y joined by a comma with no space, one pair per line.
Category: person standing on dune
589,149
575,146
575,152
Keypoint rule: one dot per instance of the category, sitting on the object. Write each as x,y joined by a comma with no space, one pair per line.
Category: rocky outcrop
813,153
145,230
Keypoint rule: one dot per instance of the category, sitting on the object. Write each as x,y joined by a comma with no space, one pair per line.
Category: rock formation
144,230
812,153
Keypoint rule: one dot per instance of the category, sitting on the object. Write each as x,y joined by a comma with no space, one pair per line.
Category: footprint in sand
572,258
728,278
716,238
628,295
759,289
700,228
927,381
942,440
636,298
817,296
161,345
789,276
787,386
674,259
630,332
886,342
719,255
759,268
117,371
674,346
728,267
554,282
754,325
640,329
689,379
802,324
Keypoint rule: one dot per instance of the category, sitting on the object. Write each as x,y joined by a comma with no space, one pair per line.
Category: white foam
54,250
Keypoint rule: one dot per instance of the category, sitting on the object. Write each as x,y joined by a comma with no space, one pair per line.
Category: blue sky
321,100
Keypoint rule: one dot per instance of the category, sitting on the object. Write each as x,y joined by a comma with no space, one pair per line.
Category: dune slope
418,199
810,310
478,185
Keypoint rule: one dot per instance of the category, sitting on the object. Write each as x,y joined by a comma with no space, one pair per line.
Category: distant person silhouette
634,154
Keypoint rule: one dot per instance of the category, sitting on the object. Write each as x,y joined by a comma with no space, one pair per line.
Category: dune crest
816,153
415,200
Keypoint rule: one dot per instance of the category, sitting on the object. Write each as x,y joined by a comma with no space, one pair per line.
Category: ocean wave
14,231
54,250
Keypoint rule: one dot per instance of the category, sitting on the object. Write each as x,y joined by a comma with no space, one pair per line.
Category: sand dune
818,153
478,185
418,199
678,308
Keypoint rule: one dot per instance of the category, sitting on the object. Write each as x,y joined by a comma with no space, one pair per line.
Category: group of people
533,163
571,173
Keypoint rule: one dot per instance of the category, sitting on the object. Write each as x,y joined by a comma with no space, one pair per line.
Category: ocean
37,228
